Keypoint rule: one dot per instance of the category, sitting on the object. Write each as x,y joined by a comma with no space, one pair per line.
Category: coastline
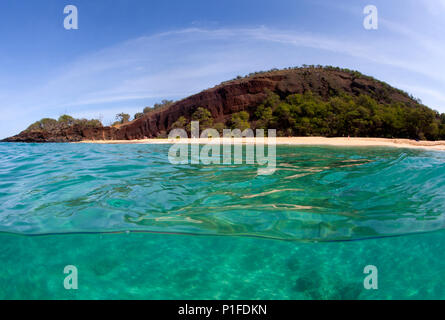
303,141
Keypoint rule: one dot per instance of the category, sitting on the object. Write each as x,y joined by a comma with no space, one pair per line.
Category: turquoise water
139,227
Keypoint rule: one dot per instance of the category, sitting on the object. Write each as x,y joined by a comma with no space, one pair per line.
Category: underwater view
138,227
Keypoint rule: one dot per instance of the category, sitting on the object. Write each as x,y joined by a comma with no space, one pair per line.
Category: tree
123,117
66,119
163,103
240,120
64,122
204,117
138,115
48,124
148,109
284,116
343,114
181,123
85,123
265,117
95,123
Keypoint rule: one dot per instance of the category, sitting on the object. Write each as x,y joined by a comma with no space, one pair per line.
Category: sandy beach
343,142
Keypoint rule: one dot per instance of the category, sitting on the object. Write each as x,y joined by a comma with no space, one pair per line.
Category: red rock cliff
228,98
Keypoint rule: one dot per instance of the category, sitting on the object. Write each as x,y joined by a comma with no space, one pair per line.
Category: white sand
344,142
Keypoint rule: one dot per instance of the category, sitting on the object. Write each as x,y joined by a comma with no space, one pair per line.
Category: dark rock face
72,134
226,99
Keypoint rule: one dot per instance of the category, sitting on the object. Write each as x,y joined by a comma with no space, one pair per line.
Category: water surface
204,232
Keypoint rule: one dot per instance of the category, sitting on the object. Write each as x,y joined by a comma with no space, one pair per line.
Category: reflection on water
316,193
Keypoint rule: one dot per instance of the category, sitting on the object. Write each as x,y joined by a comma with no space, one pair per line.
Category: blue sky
128,54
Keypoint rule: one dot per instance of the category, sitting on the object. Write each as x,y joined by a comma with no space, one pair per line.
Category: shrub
147,109
163,103
204,117
64,121
240,120
138,115
181,123
85,123
123,118
43,124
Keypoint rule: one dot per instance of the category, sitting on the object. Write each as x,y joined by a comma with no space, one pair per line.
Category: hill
311,100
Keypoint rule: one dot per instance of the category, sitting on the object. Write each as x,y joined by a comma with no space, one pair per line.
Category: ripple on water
316,193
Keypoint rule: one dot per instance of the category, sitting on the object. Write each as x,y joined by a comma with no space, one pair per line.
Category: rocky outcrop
228,98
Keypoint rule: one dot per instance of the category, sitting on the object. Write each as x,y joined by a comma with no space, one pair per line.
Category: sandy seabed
311,141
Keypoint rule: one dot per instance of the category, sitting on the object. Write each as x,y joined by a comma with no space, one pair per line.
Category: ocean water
136,226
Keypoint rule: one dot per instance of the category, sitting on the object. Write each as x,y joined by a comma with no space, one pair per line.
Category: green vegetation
340,115
123,117
163,104
181,123
240,121
147,109
347,115
204,117
66,119
138,115
85,123
64,122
